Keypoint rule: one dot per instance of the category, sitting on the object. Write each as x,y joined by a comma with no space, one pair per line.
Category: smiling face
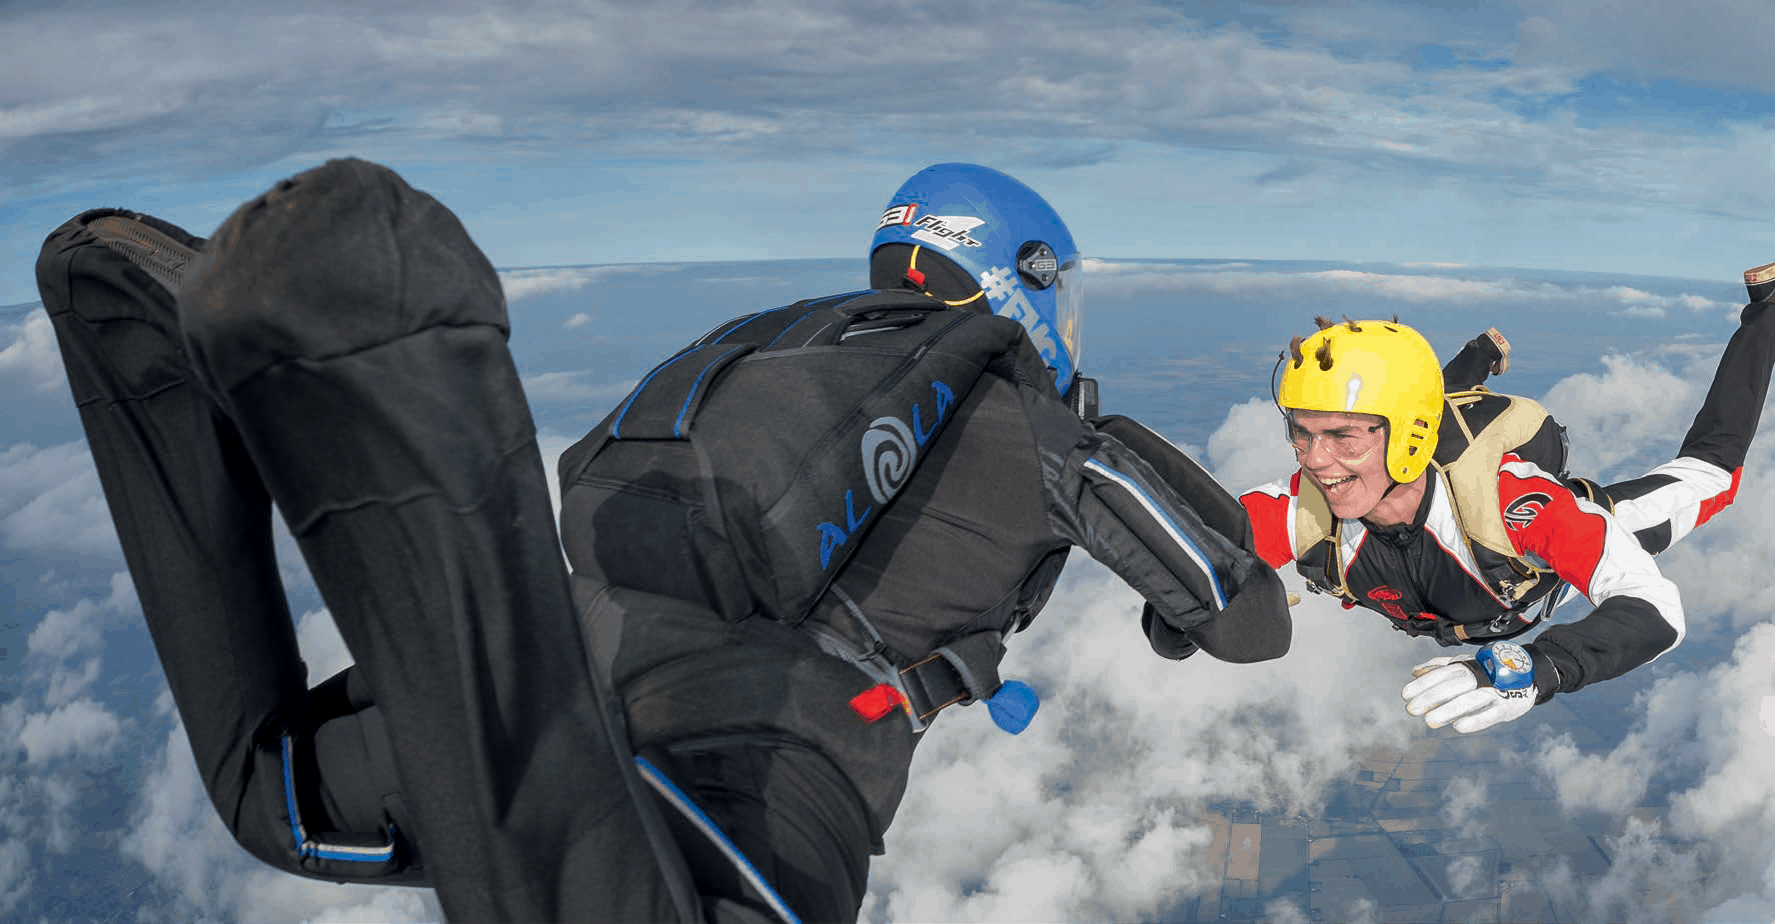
1346,455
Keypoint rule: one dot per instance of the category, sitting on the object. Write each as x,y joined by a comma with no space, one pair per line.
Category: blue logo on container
890,452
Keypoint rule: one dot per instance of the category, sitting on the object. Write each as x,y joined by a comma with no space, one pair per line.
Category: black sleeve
1161,523
1472,365
1621,634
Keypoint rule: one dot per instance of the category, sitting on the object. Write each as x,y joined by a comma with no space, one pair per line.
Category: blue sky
1618,136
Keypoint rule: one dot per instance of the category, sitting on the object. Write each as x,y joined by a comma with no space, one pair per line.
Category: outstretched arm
1639,613
1157,519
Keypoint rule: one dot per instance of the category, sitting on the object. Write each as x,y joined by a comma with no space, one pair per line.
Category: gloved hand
1499,348
1496,685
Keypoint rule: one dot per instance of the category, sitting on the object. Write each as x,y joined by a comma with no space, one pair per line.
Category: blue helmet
1007,239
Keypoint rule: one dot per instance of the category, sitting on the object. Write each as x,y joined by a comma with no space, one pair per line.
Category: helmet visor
1068,302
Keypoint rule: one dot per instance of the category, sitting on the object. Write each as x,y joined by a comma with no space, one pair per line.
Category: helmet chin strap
1392,483
1274,395
1391,487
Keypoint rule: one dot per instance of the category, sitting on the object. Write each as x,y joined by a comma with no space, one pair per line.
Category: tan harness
1472,480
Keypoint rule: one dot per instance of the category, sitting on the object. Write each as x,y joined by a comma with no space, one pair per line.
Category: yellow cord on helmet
912,266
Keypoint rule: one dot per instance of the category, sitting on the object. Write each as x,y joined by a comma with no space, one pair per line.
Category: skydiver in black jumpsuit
337,349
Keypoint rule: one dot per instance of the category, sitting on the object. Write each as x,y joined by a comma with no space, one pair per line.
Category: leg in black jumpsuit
338,349
1664,505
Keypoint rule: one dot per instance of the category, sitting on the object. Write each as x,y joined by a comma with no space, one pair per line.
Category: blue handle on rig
1013,706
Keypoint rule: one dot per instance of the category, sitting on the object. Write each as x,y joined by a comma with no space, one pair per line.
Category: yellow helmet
1372,367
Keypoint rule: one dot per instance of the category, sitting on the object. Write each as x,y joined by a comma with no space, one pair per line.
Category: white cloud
64,633
82,727
65,685
1225,102
1698,304
75,632
323,650
1092,78
574,386
175,834
1643,865
1125,752
15,874
1630,295
1284,911
1467,877
52,500
1463,800
12,721
272,897
524,283
1631,415
1245,281
1248,449
1645,40
59,797
32,358
1732,739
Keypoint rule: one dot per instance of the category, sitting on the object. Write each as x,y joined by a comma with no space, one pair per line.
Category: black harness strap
958,673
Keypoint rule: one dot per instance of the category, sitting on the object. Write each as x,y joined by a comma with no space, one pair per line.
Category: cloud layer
664,129
786,77
1413,290
1105,808
1112,780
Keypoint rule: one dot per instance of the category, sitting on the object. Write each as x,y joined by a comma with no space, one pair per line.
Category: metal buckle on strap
1509,622
931,686
958,673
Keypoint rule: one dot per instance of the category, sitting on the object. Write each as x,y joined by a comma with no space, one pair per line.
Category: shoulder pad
1313,521
1478,429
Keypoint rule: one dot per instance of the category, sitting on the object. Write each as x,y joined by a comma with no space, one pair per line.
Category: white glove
1465,691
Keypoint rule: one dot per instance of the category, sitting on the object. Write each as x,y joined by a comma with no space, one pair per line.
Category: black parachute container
742,473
